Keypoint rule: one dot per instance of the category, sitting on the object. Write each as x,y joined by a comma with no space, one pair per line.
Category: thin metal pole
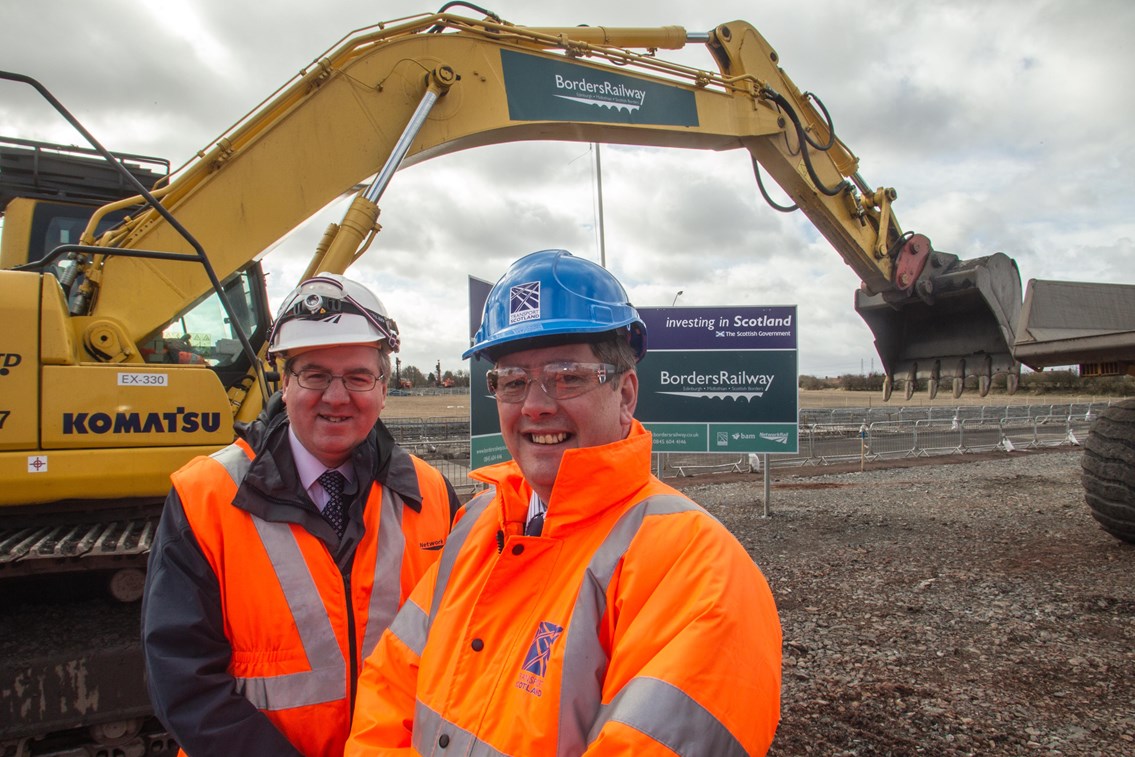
599,187
768,481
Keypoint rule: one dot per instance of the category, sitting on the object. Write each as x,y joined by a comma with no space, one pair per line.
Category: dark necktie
334,513
535,525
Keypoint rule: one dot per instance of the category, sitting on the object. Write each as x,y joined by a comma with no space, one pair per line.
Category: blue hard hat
553,293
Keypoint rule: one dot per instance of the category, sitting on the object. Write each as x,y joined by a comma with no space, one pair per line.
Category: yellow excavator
141,303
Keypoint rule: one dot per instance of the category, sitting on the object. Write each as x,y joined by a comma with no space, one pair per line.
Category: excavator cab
49,192
76,381
48,195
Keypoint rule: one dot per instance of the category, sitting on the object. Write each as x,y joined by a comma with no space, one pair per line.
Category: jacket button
517,549
477,645
443,742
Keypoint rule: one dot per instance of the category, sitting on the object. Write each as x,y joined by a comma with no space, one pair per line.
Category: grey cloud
1001,125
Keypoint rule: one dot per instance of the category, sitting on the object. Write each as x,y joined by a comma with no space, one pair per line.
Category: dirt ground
448,405
962,605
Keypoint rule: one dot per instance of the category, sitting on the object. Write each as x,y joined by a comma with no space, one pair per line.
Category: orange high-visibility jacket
635,624
297,622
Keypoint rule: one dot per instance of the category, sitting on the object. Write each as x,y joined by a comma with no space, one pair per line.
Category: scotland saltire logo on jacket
524,302
535,667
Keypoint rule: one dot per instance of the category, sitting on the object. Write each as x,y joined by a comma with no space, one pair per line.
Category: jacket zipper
352,644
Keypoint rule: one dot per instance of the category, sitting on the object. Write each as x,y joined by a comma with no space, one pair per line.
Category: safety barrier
408,430
450,456
922,433
826,436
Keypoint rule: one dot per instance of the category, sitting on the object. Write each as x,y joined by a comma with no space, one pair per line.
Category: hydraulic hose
827,121
764,193
805,142
438,28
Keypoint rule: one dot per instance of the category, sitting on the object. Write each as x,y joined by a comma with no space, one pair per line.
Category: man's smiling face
332,422
538,430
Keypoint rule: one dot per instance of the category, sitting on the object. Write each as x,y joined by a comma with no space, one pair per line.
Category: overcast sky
1004,125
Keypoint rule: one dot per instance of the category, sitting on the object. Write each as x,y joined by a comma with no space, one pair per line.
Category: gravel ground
958,606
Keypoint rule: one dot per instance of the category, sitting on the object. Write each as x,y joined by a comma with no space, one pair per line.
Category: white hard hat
330,310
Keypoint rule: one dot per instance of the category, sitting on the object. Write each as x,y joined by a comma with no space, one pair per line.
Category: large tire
1108,470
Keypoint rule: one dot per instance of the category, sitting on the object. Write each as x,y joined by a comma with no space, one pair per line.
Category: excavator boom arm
338,122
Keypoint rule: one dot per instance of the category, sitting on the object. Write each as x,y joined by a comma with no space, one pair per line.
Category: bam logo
524,302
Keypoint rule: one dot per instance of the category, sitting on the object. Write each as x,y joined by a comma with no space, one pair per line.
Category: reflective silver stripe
387,584
326,681
585,661
234,460
429,728
411,626
390,548
668,715
453,544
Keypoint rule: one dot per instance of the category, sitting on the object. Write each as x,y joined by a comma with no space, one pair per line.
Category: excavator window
203,334
58,223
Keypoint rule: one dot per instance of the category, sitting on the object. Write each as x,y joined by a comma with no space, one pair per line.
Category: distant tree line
1040,382
412,377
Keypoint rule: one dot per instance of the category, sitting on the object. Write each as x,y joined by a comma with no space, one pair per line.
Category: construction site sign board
714,380
720,379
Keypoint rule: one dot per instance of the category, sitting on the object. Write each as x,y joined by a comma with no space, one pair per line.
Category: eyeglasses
320,381
559,381
320,296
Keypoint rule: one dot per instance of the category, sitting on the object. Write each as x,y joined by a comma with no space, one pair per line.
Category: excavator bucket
956,320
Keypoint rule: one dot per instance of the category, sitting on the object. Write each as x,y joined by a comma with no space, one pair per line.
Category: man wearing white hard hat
281,559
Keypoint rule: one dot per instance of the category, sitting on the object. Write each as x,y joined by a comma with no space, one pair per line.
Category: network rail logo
724,384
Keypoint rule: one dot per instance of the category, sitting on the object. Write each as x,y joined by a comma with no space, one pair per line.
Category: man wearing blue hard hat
581,605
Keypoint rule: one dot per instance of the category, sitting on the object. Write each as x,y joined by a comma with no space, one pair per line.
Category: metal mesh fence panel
826,436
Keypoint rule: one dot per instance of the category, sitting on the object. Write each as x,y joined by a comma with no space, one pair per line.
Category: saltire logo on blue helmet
524,302
536,661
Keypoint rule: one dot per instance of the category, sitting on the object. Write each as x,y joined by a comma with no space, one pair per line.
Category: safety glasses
559,381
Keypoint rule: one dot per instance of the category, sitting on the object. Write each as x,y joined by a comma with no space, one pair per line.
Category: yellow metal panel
19,352
17,232
79,474
133,405
56,345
